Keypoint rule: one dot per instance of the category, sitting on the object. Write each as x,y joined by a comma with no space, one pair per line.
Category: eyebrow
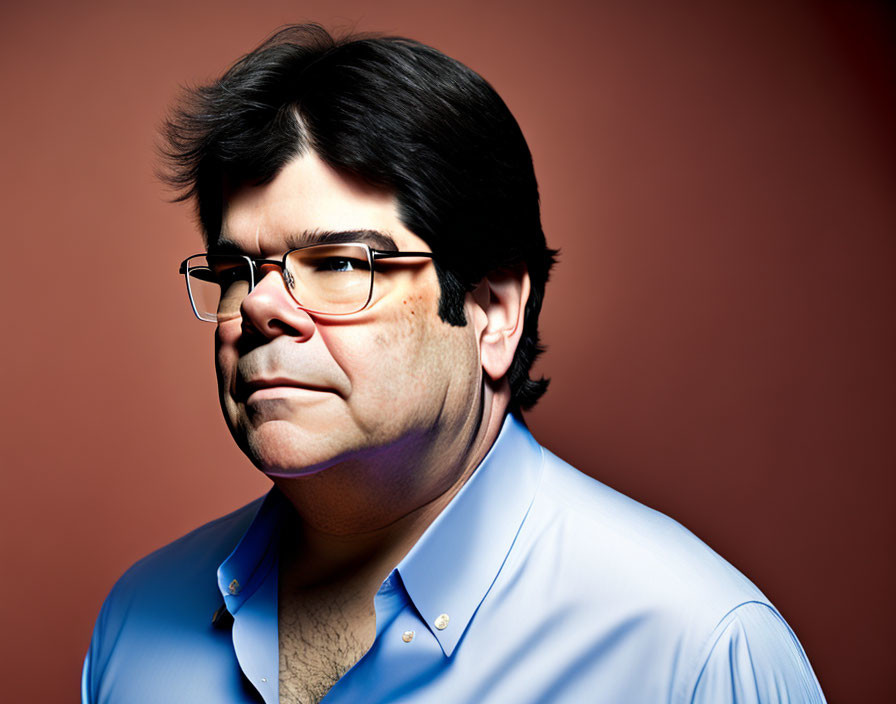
374,238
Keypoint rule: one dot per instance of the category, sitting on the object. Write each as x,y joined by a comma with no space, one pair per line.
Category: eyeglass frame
255,264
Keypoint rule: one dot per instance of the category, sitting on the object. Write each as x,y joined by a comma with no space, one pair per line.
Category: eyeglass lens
332,279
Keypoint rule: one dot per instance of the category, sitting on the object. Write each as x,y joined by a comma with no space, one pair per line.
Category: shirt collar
255,555
452,566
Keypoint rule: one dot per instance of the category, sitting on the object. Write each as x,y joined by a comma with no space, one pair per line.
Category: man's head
392,113
408,142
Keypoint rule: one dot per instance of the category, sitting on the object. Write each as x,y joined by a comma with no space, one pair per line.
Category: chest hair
323,631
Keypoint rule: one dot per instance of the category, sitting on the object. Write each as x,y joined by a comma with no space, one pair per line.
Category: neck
364,515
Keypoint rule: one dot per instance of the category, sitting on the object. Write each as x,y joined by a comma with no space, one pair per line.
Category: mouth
278,387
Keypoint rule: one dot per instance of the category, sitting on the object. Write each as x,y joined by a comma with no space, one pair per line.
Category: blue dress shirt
535,584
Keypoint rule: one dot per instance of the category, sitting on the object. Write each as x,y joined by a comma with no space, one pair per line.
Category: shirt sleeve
754,658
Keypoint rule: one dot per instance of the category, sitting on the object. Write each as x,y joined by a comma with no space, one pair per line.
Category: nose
271,311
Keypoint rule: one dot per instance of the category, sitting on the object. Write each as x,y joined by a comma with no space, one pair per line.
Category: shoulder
651,555
628,580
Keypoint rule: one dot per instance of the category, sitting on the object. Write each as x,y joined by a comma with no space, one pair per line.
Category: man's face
301,392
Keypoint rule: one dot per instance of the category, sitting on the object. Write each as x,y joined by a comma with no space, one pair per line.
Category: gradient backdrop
719,176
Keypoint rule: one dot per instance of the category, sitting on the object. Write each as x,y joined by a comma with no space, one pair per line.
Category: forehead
305,200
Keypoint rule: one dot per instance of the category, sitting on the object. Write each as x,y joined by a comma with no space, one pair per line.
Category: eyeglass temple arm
381,254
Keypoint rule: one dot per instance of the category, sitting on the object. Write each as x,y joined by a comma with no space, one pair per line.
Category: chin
281,452
276,466
290,473
274,462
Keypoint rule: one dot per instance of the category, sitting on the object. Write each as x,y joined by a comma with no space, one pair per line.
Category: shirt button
234,588
442,622
408,636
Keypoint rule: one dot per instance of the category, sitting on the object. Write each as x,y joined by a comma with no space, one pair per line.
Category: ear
500,300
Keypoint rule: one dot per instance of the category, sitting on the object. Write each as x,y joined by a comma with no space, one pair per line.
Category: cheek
407,326
392,355
226,337
228,332
383,351
434,354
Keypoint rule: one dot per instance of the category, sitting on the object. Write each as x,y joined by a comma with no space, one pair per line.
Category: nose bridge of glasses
264,267
262,296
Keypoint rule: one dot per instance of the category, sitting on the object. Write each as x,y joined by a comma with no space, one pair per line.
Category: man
375,270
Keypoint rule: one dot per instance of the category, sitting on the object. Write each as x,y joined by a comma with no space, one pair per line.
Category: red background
720,180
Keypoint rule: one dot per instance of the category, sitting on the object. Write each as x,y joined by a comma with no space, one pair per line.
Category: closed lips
245,389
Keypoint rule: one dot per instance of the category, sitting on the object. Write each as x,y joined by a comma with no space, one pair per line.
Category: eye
341,265
203,274
216,275
228,274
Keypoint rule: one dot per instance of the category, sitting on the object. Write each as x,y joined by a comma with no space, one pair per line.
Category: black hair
397,114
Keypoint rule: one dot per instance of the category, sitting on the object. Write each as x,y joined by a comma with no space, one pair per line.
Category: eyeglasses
330,279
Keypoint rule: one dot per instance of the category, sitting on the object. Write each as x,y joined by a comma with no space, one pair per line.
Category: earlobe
502,297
